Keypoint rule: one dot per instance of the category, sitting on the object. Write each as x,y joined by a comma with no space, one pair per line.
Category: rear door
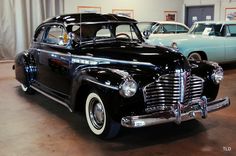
230,42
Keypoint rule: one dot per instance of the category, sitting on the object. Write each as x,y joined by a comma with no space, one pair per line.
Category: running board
52,98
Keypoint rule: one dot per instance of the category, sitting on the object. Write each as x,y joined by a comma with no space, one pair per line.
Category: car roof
216,22
88,17
164,22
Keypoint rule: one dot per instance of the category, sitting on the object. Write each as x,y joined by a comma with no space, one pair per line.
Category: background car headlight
217,75
128,87
174,45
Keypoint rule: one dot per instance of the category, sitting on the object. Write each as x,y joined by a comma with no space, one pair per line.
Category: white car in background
206,40
155,29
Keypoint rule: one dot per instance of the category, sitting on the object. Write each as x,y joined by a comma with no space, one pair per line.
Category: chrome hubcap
96,113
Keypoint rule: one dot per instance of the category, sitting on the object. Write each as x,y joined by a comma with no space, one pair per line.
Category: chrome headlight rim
128,87
217,75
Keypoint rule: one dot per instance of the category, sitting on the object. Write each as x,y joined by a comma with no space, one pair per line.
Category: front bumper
178,113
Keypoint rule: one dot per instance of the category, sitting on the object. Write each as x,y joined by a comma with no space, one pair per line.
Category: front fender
204,69
87,78
107,82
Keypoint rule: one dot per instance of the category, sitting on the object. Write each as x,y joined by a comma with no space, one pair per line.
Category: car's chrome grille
170,89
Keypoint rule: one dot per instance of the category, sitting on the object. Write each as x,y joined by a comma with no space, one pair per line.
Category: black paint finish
68,72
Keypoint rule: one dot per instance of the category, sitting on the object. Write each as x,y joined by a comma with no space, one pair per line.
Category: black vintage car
99,64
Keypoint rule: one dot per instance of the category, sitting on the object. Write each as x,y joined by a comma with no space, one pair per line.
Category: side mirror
146,34
71,36
71,39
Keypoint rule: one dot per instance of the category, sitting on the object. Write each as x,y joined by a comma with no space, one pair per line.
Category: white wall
219,6
143,9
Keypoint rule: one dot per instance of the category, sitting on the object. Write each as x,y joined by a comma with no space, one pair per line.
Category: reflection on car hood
134,52
168,40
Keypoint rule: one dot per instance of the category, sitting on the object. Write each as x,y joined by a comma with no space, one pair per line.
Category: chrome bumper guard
178,113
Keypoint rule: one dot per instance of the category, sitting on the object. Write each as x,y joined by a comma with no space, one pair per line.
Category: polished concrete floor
37,126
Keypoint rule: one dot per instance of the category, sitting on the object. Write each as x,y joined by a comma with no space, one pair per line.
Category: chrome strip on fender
97,60
104,85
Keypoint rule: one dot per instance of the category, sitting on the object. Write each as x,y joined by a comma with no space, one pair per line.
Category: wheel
26,89
195,57
99,121
123,34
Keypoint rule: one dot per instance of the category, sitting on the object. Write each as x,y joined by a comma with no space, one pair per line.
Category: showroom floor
37,126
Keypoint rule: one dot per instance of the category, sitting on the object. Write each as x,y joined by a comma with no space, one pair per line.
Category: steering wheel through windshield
123,34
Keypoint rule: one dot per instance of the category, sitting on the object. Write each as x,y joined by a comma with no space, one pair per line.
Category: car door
230,42
54,62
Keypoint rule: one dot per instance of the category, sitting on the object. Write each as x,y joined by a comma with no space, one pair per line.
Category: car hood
139,54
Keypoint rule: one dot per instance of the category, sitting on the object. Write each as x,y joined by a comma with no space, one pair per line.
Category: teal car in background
207,40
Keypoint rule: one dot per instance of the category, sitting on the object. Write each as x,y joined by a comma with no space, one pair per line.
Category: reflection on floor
36,126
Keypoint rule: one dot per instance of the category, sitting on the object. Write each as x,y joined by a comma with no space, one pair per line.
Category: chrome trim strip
104,85
50,52
102,60
218,104
105,22
51,97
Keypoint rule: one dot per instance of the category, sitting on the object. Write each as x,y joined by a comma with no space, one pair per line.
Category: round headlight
174,45
217,75
128,87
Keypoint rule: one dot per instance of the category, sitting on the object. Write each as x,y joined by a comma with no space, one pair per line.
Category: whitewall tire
195,57
95,113
99,122
24,88
27,90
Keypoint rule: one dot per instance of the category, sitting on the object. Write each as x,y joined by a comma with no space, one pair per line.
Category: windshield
206,29
150,26
106,31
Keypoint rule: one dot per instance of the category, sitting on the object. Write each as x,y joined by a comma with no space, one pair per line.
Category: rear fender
25,68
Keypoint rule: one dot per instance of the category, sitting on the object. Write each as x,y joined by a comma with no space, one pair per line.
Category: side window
158,30
56,35
125,30
39,35
103,33
181,29
170,28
